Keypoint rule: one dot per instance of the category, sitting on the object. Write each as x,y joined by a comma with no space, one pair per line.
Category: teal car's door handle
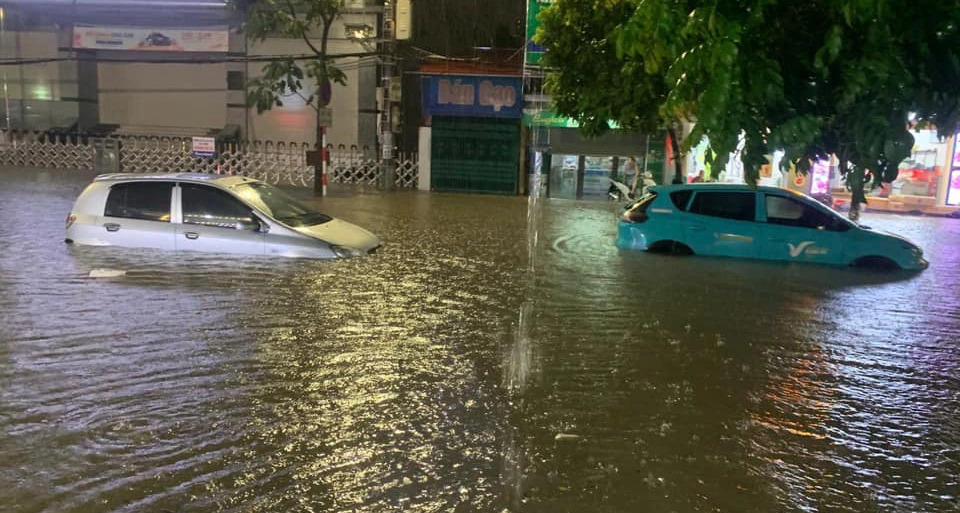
696,227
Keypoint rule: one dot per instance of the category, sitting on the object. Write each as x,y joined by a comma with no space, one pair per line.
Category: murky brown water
405,381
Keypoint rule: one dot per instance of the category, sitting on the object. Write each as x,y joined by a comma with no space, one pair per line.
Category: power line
194,60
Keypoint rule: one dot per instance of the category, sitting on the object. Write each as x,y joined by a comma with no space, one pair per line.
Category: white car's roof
220,180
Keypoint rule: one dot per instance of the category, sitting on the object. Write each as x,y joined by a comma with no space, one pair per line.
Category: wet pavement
410,381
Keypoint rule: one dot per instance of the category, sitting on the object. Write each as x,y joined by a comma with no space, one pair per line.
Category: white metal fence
274,162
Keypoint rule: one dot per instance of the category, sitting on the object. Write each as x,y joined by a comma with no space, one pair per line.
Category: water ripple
202,383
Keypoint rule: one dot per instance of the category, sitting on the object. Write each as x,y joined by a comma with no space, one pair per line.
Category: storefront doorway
588,176
564,176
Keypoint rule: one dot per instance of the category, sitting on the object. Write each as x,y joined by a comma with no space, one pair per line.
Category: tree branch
308,102
303,33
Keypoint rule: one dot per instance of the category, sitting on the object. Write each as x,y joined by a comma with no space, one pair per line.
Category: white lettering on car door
807,245
795,251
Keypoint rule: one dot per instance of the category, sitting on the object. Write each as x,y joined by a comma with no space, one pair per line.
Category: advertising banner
547,117
473,96
150,39
534,51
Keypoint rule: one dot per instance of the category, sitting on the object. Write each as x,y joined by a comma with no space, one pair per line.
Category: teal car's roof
723,186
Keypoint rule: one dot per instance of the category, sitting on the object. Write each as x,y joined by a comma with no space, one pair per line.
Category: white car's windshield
279,205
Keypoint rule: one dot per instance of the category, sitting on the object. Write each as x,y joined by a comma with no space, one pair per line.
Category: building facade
171,67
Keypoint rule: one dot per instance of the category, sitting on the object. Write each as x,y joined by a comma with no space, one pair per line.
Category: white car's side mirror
251,225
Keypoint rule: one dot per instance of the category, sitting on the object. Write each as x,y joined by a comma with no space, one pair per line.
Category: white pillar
946,162
423,157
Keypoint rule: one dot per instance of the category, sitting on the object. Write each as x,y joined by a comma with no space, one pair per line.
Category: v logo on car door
795,251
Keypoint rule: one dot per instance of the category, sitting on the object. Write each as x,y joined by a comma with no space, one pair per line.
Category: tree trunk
677,163
855,179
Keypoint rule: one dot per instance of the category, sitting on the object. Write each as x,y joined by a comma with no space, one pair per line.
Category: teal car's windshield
279,205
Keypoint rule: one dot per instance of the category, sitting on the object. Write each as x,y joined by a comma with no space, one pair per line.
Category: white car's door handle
191,235
111,227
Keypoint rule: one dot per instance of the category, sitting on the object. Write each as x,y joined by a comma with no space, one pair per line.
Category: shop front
928,181
577,167
817,182
923,184
475,132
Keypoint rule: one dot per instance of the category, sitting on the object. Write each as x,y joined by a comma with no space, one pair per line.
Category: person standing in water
631,173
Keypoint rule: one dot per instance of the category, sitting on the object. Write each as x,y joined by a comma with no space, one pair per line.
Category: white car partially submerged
211,213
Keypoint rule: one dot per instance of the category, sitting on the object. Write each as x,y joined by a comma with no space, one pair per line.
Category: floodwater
410,381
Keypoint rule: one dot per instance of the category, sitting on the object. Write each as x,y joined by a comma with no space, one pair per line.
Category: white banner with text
150,39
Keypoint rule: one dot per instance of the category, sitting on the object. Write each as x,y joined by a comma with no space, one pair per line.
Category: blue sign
472,96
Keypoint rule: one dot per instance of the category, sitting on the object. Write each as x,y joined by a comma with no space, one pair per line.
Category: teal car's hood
883,234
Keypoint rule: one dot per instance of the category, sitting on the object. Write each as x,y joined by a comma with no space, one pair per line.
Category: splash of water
520,357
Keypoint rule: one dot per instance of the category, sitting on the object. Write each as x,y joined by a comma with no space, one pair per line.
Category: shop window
921,172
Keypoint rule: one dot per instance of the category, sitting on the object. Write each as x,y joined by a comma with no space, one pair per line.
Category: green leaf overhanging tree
812,78
583,55
296,19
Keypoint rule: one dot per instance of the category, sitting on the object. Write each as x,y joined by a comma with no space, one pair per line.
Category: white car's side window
209,206
149,201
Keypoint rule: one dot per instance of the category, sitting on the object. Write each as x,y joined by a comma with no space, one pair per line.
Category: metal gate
475,155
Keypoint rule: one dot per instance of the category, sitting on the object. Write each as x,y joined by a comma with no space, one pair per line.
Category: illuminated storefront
919,179
698,169
952,196
923,184
928,181
578,167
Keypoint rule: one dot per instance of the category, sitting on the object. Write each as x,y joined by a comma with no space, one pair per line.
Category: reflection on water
198,383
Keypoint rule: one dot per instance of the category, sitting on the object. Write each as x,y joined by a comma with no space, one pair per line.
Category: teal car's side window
739,206
792,212
681,199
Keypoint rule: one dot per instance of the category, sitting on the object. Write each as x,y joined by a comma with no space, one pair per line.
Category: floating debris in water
106,273
566,437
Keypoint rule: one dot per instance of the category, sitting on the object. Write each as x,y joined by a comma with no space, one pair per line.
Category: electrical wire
180,60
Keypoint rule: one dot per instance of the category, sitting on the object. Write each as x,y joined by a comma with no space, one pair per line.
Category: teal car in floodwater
770,223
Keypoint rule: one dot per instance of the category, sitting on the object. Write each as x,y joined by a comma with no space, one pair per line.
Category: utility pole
320,157
6,94
389,87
